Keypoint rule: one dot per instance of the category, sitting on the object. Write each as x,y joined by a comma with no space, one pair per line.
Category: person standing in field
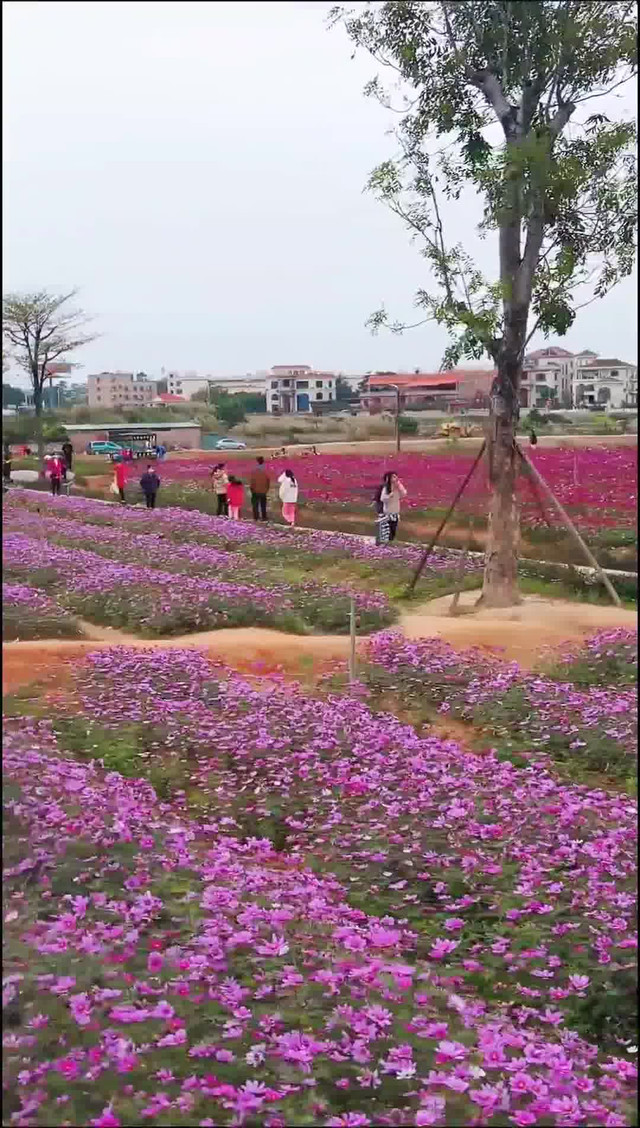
150,484
121,479
67,454
259,483
56,470
235,497
220,481
288,496
389,498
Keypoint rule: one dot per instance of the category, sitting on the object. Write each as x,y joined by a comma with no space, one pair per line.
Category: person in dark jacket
67,453
259,483
150,484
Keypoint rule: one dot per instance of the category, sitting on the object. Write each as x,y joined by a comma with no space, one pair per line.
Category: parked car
230,444
103,447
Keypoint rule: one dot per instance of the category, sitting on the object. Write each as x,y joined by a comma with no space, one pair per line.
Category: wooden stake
569,525
434,541
352,632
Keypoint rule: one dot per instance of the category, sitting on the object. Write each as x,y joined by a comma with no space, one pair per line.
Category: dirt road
524,634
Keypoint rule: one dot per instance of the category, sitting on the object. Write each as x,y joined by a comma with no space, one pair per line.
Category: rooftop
169,426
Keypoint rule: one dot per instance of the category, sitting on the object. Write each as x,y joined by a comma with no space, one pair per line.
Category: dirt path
524,634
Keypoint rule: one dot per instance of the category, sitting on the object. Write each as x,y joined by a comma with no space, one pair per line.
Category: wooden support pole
569,525
352,633
428,550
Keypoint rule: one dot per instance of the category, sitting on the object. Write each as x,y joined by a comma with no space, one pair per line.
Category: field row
598,485
175,571
251,907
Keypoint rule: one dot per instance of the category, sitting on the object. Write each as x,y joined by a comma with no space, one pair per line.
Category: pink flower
453,924
154,963
442,948
579,982
107,1119
450,1051
523,1118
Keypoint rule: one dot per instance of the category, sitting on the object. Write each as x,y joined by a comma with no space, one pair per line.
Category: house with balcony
297,389
546,378
604,382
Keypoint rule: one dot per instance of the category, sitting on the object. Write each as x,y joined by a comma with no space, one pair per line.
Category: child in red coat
235,497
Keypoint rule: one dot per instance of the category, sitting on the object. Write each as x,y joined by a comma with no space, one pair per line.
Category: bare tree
41,331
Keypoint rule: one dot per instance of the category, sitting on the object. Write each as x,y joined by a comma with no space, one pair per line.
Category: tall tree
499,101
41,330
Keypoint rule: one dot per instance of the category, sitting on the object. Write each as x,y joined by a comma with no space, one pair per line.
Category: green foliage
564,201
12,397
407,425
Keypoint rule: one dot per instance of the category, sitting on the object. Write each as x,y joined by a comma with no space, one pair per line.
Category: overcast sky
197,170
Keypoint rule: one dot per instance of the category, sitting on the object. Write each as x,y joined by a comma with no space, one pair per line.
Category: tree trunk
37,403
500,585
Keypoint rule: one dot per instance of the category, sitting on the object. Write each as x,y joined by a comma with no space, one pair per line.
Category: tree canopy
502,99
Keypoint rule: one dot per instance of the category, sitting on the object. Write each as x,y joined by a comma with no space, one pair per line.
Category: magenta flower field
598,484
233,900
238,907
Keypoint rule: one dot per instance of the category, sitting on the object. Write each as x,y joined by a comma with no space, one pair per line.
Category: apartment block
294,389
119,389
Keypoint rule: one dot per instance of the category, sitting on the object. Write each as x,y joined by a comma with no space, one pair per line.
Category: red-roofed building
167,398
460,387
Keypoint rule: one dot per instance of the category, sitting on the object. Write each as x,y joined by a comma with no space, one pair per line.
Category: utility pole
397,391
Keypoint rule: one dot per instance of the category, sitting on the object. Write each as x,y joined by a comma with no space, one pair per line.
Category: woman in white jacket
288,496
390,496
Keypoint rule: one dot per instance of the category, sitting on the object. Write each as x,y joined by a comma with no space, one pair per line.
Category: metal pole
566,520
429,548
352,633
397,419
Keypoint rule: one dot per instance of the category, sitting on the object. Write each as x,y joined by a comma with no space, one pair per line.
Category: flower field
597,485
233,903
174,571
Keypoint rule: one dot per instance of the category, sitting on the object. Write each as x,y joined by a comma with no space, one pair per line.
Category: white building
546,378
557,378
294,389
188,383
604,382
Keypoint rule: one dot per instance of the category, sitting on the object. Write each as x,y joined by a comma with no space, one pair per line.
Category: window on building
330,382
318,383
318,395
540,378
274,383
614,373
302,383
286,383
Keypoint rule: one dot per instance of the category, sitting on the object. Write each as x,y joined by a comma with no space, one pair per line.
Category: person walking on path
220,481
235,497
389,498
288,496
150,484
121,479
56,472
259,483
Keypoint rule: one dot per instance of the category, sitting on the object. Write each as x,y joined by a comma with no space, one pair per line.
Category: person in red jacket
235,497
121,479
56,471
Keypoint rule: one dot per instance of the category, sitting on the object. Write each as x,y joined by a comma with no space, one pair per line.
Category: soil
524,634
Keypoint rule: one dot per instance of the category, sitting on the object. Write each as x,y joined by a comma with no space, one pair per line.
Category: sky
197,170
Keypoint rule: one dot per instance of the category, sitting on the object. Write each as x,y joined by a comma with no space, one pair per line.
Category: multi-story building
297,388
604,382
187,384
546,378
556,377
461,388
119,389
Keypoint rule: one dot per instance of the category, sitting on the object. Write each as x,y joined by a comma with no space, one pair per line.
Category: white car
230,444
